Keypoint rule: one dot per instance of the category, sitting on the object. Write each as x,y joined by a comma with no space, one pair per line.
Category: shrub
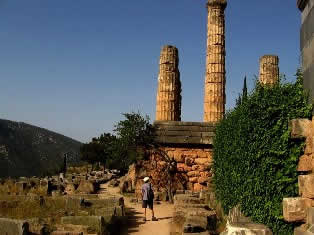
254,157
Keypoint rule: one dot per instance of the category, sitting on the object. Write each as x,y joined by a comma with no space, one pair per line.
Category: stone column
168,105
215,98
269,70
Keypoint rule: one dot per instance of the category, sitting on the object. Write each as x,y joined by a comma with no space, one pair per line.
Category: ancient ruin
215,98
168,105
269,70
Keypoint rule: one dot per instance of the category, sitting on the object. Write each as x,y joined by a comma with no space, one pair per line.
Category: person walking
148,198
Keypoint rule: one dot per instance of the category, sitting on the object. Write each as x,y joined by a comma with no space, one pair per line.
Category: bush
254,157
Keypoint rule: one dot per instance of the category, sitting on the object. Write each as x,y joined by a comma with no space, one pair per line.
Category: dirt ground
135,213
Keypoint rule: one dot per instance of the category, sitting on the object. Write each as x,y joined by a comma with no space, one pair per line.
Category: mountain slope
27,150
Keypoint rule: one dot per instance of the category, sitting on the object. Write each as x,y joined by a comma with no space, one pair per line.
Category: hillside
27,150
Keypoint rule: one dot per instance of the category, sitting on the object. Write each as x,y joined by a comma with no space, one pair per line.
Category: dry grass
16,207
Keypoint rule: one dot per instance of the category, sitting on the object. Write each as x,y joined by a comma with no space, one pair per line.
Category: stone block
193,179
310,215
246,229
97,223
306,163
86,187
306,185
178,157
300,128
199,187
202,161
305,229
67,233
13,227
189,161
186,199
309,145
193,173
69,189
202,180
294,209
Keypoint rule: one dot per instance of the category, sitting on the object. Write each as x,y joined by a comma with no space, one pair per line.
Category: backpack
150,193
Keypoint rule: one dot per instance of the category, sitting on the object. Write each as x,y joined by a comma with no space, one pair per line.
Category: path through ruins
136,226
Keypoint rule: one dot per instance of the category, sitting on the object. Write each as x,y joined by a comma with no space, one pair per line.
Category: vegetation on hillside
255,159
27,150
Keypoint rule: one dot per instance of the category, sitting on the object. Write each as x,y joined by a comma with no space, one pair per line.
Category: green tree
255,159
134,133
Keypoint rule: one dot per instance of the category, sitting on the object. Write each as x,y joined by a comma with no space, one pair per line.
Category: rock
300,127
202,161
193,179
189,161
114,183
202,180
69,189
97,223
85,187
306,185
186,199
309,145
13,227
199,187
178,157
306,163
246,229
294,209
310,215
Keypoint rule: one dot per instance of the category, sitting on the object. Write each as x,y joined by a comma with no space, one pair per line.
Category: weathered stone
199,187
269,70
202,161
306,163
309,145
168,104
13,227
300,128
310,215
193,173
214,98
178,157
202,180
306,186
193,179
246,229
97,223
294,209
305,229
189,161
69,189
86,187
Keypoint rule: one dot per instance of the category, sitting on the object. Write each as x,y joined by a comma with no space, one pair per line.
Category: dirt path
136,225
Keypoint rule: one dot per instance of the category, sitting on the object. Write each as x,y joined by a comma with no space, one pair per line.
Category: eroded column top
220,3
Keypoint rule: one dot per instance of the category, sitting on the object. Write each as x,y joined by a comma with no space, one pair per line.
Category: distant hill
27,150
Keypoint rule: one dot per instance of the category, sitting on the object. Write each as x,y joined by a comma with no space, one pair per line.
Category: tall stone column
168,105
269,70
215,98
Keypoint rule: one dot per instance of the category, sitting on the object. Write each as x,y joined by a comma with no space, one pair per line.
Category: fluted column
269,70
215,98
168,105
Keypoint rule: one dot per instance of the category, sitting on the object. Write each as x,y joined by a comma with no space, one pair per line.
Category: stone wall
193,165
300,209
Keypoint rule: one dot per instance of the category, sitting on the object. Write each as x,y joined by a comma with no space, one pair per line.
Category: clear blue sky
73,66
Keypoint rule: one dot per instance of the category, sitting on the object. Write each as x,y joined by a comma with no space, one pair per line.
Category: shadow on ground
134,220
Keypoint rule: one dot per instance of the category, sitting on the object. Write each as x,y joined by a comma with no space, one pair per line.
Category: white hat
146,179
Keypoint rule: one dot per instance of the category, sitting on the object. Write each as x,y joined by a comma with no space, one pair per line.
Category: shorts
148,203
